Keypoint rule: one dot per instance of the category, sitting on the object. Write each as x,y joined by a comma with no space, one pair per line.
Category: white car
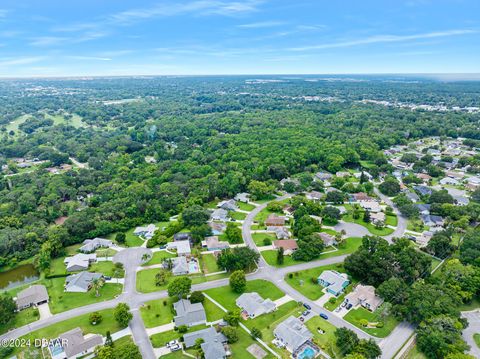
175,348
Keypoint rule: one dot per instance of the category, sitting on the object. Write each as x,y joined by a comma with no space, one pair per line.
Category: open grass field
354,316
351,245
157,312
209,263
306,281
239,349
323,335
371,228
158,258
61,301
259,238
226,296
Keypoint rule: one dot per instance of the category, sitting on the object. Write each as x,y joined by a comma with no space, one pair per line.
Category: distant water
18,276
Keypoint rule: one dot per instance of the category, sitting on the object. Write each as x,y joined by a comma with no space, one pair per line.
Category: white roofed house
79,262
365,296
212,243
81,282
322,176
253,305
371,206
31,297
145,232
179,266
73,344
377,218
328,239
242,197
182,247
281,232
91,245
292,334
449,181
188,313
335,282
219,214
228,205
314,196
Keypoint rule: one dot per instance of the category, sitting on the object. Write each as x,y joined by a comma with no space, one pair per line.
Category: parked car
307,306
305,313
301,319
175,348
324,316
349,305
106,277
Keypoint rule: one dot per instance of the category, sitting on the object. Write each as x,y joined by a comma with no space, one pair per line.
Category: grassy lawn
259,238
354,316
245,206
108,323
158,258
415,354
157,312
371,228
435,263
239,349
160,339
306,281
349,246
323,335
61,301
339,300
476,337
106,268
105,252
213,312
226,297
415,225
269,321
146,281
238,216
391,220
22,318
474,304
209,263
264,213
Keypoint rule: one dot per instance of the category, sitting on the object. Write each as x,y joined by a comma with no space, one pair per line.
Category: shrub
182,329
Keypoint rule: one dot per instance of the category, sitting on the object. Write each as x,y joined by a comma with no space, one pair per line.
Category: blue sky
124,37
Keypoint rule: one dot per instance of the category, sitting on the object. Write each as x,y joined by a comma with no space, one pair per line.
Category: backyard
263,239
323,334
356,316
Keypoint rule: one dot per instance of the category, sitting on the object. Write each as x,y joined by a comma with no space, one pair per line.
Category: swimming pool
307,353
192,267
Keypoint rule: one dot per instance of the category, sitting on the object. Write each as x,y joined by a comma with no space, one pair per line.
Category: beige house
365,296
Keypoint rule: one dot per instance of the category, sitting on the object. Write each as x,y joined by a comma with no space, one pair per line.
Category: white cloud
11,61
261,24
48,40
90,58
385,39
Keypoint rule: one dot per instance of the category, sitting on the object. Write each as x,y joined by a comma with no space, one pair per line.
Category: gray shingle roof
32,295
292,333
80,282
254,305
208,335
188,313
90,245
76,343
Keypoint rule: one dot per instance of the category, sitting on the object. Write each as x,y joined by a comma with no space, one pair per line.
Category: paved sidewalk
160,329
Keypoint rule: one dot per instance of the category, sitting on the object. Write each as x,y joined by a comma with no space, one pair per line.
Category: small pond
18,276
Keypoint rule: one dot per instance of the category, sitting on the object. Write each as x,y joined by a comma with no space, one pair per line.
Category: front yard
263,239
226,296
158,258
323,335
157,312
306,281
356,316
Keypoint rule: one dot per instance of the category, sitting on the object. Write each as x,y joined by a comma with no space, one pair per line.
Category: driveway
44,311
351,229
473,318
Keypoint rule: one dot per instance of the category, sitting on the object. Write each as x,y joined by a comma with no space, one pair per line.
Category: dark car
307,306
349,305
324,316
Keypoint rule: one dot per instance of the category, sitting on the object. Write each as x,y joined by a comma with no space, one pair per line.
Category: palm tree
145,257
96,285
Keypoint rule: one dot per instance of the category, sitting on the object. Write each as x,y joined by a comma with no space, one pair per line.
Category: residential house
342,174
228,205
289,246
73,344
81,282
423,240
242,197
80,261
412,196
423,190
145,232
423,208
322,176
219,214
432,221
281,232
253,305
179,265
32,296
360,197
333,281
295,181
328,239
371,206
365,296
424,177
449,181
214,343
274,221
217,227
314,196
188,313
213,244
91,245
182,247
461,200
455,174
377,218
183,236
292,334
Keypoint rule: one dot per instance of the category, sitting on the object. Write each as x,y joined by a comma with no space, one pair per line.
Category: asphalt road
473,318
